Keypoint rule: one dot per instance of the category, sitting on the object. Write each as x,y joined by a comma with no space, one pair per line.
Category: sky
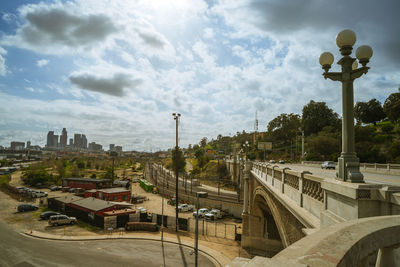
117,70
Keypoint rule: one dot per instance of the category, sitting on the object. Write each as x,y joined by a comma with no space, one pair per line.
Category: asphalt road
19,250
368,177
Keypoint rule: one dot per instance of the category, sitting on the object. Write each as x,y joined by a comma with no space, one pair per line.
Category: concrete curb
217,258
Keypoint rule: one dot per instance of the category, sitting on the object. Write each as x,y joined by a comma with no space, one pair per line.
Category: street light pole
349,164
196,239
176,118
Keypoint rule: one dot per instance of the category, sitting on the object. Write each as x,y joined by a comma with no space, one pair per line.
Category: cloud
114,85
42,62
153,39
30,89
3,67
53,27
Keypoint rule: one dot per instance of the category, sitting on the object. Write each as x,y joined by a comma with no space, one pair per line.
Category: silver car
328,165
61,219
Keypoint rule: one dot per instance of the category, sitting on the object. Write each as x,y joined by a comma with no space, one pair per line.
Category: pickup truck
202,212
185,207
213,215
38,194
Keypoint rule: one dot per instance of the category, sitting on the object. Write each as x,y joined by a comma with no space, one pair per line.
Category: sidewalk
217,257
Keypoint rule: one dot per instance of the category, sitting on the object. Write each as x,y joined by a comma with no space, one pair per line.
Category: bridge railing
390,167
303,188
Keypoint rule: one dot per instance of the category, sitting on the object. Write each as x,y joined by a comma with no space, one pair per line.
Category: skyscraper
50,139
77,140
84,141
55,140
71,142
63,138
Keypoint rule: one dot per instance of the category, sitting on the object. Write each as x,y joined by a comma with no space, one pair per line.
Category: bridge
288,215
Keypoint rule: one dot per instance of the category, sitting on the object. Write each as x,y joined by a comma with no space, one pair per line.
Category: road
368,177
19,250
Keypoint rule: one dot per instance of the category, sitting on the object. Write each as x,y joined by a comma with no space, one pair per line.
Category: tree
369,112
317,115
392,107
203,142
284,126
178,159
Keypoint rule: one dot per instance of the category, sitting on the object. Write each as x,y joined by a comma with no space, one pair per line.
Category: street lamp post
176,118
349,164
196,239
302,144
246,146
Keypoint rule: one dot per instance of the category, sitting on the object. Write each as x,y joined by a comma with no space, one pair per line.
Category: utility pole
176,118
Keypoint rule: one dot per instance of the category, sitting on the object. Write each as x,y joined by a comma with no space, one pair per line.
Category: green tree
178,160
369,112
37,176
392,107
317,115
284,126
203,142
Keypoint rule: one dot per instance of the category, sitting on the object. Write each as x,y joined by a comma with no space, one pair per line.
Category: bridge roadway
374,178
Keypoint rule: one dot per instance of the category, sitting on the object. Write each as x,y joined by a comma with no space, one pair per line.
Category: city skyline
118,71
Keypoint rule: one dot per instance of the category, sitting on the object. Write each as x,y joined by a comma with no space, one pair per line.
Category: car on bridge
328,165
213,215
185,207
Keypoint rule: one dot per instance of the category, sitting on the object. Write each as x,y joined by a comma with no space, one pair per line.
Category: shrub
387,128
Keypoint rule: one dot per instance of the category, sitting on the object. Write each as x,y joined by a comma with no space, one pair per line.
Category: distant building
84,141
110,194
71,142
87,183
50,139
63,138
94,146
17,145
112,147
28,144
118,149
55,140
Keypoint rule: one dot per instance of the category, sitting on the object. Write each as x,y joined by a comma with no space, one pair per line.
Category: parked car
46,215
141,209
202,212
21,189
55,188
272,161
26,207
328,165
281,161
61,219
185,207
39,194
72,190
213,214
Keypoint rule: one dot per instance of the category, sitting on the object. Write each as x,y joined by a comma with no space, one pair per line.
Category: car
39,194
281,161
202,212
46,215
328,165
72,190
26,207
141,209
272,161
21,189
213,214
185,207
61,219
55,188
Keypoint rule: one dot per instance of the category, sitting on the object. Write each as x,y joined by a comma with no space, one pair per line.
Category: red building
117,194
93,206
87,183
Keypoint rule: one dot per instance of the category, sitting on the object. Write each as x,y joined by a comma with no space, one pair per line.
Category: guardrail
375,166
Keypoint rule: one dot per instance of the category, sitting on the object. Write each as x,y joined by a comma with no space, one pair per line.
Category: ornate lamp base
349,168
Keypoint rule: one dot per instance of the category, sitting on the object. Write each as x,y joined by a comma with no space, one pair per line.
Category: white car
213,215
202,212
185,207
61,219
328,165
39,194
141,210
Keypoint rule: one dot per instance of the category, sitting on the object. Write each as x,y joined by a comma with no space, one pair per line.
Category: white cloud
3,67
30,89
42,62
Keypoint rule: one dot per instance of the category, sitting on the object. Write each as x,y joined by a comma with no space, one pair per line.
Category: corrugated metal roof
88,180
93,204
68,199
114,190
